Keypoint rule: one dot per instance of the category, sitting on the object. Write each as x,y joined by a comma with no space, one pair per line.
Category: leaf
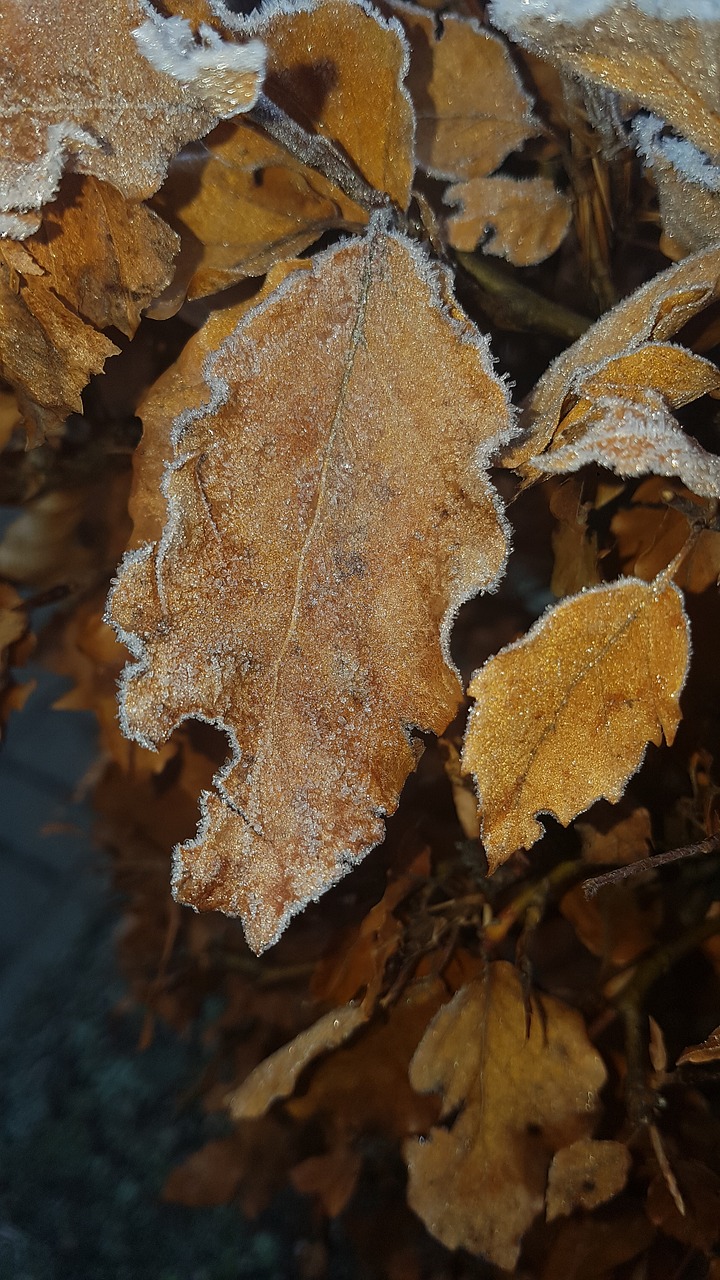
634,438
523,221
652,314
648,539
304,602
331,1177
92,102
575,546
241,203
665,60
563,716
277,1076
472,110
586,1174
510,1100
708,1051
97,258
337,67
688,187
15,645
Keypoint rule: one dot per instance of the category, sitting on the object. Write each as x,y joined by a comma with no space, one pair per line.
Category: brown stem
709,845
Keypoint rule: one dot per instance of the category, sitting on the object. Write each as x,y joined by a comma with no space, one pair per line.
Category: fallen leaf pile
406,564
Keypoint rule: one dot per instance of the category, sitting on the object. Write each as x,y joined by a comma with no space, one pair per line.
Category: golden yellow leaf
688,187
650,315
668,65
586,1174
277,1076
510,1101
563,716
524,221
471,108
303,599
76,91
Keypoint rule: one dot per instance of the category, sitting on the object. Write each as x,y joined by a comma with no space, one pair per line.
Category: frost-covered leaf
76,91
472,110
524,221
663,57
96,261
510,1100
241,202
586,1174
688,187
635,438
328,513
563,716
337,67
651,315
277,1076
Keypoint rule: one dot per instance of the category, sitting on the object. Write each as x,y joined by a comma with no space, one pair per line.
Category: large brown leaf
327,515
76,90
563,716
510,1101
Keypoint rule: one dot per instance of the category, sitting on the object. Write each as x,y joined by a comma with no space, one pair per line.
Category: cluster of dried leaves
463,1048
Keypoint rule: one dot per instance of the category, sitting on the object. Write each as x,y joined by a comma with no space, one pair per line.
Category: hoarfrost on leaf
328,513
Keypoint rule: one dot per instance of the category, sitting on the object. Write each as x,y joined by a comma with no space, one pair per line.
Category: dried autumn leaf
688,187
304,603
708,1051
563,716
337,67
13,645
105,256
664,59
77,92
242,202
523,221
510,1100
650,315
649,535
331,1177
586,1174
574,544
97,260
635,438
471,108
277,1076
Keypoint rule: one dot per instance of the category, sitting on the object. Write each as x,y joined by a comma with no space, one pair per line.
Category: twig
318,153
709,845
521,308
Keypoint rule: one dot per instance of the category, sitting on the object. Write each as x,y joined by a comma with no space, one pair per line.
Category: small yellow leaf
478,1181
586,1174
563,716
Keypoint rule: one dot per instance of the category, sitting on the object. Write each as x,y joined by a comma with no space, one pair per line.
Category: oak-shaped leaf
563,716
328,513
510,1100
78,90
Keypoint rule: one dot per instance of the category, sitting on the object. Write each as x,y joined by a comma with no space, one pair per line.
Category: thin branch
709,845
